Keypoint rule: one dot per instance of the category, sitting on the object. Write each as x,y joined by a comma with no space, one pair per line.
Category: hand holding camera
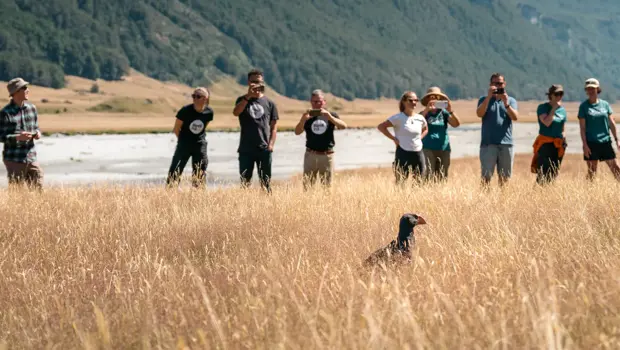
255,90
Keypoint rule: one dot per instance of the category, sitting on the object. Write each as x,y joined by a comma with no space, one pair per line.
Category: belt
319,152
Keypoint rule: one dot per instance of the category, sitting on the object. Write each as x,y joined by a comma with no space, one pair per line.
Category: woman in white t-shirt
409,130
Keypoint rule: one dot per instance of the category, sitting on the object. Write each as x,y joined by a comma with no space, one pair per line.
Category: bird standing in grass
400,248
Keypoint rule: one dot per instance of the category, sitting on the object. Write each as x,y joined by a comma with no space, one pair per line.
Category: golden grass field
129,268
142,104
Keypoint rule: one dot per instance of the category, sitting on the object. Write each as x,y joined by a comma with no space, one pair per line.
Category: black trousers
408,163
262,159
548,163
198,153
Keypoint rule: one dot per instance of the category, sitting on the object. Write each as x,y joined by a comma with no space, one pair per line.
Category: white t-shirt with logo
408,130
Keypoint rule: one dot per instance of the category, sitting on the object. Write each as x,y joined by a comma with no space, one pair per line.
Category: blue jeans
500,156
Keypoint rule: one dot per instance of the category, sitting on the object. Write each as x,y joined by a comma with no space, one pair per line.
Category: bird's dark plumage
401,247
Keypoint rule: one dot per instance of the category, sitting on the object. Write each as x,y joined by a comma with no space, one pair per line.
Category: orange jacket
558,142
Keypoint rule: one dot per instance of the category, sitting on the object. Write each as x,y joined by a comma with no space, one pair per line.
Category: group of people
422,144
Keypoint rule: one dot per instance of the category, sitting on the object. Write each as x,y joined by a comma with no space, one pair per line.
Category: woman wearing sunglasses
190,129
550,144
439,115
409,130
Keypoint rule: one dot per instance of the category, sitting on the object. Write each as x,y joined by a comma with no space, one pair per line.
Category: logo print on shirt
256,111
319,126
196,126
595,112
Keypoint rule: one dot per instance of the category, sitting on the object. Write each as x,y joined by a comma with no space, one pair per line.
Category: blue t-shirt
496,123
559,118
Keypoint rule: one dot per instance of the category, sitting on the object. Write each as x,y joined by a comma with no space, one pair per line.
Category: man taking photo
319,125
258,118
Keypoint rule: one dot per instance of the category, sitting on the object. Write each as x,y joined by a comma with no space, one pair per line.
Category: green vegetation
357,48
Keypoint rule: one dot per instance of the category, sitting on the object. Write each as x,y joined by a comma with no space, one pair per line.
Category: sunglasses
558,94
497,83
413,100
195,96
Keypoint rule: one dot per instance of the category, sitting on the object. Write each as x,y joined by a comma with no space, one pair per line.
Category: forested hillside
351,48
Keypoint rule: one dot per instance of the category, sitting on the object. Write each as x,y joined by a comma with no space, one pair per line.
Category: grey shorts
500,156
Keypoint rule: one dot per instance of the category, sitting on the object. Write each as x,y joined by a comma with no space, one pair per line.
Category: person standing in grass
597,126
436,145
19,128
550,144
409,130
319,125
497,111
190,129
258,118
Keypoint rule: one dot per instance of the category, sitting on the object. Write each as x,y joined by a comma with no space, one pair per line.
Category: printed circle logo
256,111
196,126
319,126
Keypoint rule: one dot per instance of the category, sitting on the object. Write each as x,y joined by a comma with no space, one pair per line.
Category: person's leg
544,163
505,161
34,176
179,160
431,163
310,170
418,166
325,167
608,154
444,160
401,171
613,166
16,174
488,160
200,161
263,165
246,168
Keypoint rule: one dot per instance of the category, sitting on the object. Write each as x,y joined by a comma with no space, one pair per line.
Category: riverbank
143,159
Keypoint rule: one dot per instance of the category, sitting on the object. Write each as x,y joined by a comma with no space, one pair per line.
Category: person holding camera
497,111
409,130
190,128
597,126
258,118
550,144
319,125
19,128
436,145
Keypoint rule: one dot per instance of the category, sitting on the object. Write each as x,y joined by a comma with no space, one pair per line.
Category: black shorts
601,151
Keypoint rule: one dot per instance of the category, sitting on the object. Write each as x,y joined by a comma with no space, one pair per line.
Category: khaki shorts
318,165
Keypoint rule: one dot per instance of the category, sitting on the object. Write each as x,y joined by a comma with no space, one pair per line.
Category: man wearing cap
497,111
190,129
19,127
319,125
597,126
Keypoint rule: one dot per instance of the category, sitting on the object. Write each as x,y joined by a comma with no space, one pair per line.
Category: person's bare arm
547,119
582,130
383,127
178,123
424,131
336,121
274,130
239,107
612,128
482,109
299,128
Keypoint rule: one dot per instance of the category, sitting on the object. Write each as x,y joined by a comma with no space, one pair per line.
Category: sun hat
433,91
15,84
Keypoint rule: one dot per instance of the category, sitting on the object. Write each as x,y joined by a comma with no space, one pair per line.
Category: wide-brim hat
15,84
433,91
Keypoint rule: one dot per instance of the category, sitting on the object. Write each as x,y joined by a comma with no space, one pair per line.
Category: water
145,158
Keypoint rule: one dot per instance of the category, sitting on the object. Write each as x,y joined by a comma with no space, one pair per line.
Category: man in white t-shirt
409,130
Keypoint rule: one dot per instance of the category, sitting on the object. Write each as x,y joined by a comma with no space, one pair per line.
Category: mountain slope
352,48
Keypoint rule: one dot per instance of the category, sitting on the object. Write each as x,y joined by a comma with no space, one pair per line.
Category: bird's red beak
421,220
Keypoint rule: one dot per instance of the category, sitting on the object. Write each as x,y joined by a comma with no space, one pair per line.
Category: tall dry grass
147,268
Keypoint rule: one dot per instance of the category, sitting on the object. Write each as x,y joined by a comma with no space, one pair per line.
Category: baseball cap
592,83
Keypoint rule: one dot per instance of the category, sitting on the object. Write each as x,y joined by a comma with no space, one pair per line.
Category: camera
500,91
315,112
